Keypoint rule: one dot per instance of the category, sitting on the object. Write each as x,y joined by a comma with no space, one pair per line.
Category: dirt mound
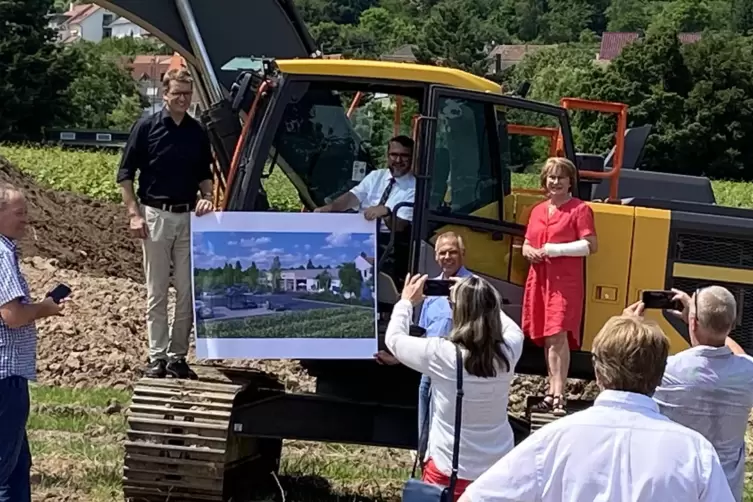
102,342
79,232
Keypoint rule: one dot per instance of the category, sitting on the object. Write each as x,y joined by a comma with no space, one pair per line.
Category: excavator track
176,440
179,445
538,420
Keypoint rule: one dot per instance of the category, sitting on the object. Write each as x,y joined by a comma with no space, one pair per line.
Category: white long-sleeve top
486,435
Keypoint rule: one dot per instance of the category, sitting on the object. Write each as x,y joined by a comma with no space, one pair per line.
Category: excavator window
465,179
331,136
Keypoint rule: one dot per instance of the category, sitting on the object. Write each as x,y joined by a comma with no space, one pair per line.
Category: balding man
18,345
709,387
621,449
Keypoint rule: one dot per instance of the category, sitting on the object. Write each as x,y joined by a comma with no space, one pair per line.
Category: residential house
612,43
506,56
403,54
365,265
500,57
148,71
86,21
122,27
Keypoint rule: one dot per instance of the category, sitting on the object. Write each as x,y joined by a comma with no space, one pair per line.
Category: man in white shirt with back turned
709,387
621,449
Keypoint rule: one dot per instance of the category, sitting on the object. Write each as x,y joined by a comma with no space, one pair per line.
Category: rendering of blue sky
214,249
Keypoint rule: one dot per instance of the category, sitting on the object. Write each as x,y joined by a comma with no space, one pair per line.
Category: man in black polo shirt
172,152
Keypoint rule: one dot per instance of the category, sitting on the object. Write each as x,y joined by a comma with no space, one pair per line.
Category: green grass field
77,444
345,322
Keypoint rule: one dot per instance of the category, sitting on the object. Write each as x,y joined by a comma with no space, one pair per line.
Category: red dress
554,290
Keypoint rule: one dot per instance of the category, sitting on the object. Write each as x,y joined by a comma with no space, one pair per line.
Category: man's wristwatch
207,196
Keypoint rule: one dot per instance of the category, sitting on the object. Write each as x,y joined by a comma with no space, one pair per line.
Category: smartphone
437,287
60,292
660,299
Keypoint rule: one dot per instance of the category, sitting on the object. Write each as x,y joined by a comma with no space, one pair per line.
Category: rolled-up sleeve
134,153
10,285
362,190
405,212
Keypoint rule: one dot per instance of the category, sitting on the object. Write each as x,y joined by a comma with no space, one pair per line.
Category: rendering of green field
342,322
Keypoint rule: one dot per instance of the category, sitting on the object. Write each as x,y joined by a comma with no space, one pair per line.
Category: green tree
275,272
99,88
628,15
34,72
453,35
252,275
350,279
325,280
123,116
741,18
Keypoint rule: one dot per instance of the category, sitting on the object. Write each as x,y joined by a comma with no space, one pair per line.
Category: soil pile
81,233
102,339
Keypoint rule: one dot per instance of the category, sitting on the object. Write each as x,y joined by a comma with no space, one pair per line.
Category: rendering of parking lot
281,285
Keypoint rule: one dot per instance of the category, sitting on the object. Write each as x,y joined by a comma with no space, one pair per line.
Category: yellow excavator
271,101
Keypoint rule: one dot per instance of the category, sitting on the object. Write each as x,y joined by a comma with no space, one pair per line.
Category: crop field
86,361
346,322
93,174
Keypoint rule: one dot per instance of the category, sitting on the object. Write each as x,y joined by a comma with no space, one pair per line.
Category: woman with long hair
490,344
559,235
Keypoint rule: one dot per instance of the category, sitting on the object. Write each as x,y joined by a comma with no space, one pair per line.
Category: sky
214,249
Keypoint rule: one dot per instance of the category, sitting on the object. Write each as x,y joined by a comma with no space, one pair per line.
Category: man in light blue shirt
436,318
18,345
709,387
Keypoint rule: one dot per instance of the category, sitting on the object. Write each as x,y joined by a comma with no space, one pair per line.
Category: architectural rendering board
284,285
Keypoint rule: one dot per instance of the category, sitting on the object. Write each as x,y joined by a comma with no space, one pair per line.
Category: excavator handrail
242,139
620,109
556,147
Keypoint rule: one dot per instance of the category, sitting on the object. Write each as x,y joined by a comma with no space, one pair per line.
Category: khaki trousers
168,242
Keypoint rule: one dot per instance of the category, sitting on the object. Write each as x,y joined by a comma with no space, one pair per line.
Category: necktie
387,191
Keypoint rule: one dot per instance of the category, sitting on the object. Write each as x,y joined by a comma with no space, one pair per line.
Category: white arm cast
575,248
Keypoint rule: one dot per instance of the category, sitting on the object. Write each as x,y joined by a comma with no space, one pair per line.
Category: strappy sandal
545,405
559,406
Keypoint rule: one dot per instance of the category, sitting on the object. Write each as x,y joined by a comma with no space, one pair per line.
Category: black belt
170,207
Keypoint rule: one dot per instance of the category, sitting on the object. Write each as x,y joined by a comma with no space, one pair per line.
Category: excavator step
537,420
176,440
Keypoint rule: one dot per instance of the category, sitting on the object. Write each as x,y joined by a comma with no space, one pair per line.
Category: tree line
697,96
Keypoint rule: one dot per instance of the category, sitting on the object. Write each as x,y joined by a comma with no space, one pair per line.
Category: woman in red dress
560,234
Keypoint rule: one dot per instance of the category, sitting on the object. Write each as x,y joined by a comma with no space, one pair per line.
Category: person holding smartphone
491,344
709,387
18,345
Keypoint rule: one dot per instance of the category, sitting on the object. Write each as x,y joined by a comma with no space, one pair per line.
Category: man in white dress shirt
709,387
381,190
621,449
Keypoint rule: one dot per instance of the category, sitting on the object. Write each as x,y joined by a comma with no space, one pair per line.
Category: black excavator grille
743,333
710,250
721,252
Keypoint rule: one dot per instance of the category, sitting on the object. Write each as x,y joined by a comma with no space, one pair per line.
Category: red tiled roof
612,42
151,66
80,12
